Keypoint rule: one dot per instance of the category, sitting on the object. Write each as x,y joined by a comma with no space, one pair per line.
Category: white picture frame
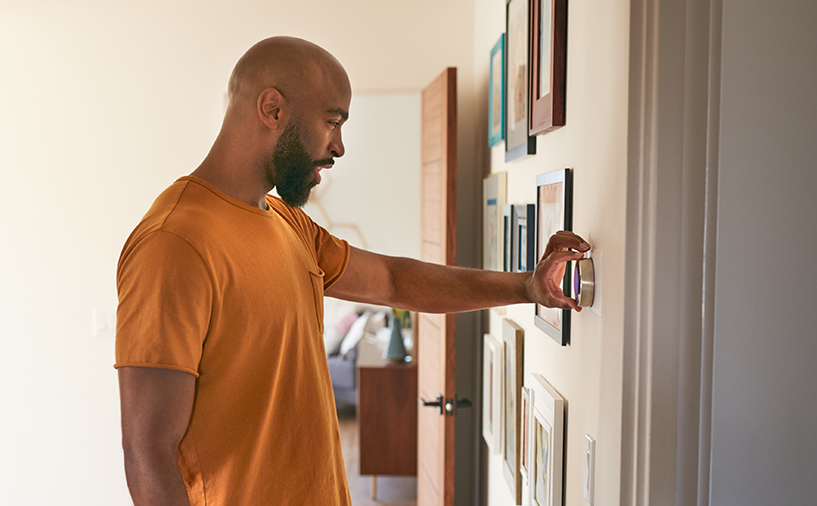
492,362
546,466
514,346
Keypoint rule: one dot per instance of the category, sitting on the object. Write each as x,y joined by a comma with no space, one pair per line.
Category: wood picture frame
523,224
554,211
496,94
547,444
494,191
492,363
518,140
514,345
548,65
525,410
507,238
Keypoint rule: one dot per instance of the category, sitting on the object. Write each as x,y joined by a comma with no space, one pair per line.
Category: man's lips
318,168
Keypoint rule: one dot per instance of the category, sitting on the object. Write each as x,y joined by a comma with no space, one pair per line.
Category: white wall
764,401
102,105
588,372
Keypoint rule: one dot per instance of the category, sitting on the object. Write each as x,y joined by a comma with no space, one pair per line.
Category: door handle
445,406
436,404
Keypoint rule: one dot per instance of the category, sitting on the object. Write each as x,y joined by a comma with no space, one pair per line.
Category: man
225,392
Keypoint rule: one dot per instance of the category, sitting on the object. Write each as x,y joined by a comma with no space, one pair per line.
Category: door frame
673,133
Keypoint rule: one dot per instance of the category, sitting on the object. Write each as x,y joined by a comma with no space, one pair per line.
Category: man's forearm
433,288
154,478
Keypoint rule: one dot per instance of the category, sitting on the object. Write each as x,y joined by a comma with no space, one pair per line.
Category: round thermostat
584,282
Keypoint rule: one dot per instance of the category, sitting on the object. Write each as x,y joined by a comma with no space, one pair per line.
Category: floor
391,490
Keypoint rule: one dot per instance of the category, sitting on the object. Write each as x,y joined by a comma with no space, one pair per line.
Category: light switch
589,468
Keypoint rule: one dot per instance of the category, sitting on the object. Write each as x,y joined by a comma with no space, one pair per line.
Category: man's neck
234,183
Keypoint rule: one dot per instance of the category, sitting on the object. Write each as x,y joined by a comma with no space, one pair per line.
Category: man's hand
545,284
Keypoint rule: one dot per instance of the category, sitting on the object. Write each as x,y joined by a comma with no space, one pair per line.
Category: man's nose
337,148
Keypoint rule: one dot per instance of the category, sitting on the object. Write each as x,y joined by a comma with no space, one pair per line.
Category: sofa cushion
333,336
355,334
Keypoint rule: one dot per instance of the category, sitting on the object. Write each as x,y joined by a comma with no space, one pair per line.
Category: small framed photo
524,462
548,72
513,337
493,198
523,251
547,444
554,210
518,141
492,393
507,238
496,94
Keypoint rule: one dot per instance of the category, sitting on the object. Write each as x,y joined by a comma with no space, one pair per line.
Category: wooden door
438,220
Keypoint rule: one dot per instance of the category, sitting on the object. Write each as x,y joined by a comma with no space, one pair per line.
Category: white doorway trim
671,216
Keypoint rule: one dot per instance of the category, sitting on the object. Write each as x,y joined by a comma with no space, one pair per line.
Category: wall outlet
103,323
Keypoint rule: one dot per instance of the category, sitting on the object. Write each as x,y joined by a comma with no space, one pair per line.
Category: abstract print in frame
496,94
548,57
554,207
546,445
518,141
492,393
513,337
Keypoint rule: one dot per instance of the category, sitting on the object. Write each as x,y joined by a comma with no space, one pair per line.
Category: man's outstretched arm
156,407
431,288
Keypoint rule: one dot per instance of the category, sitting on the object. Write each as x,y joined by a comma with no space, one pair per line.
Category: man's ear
273,108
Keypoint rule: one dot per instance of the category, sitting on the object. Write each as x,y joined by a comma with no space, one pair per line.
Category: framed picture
496,94
548,65
518,141
524,461
547,444
492,393
554,208
507,238
493,198
513,337
523,223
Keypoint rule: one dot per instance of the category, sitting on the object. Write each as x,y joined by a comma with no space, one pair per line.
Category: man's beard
290,168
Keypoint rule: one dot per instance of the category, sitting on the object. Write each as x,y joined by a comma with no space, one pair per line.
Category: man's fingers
567,240
553,276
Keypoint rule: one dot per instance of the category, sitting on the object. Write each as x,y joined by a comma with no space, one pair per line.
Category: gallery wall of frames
543,144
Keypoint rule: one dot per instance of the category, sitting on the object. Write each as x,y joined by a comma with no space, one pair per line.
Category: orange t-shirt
234,295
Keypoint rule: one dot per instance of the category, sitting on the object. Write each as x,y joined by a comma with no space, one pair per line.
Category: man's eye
335,123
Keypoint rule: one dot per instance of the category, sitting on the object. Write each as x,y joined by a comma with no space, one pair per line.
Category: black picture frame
518,141
523,222
554,212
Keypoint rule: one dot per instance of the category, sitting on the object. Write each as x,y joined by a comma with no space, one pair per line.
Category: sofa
344,330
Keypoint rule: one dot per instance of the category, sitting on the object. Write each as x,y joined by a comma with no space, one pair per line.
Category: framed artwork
496,94
492,393
524,461
518,141
507,238
554,208
523,223
513,337
493,198
548,65
547,444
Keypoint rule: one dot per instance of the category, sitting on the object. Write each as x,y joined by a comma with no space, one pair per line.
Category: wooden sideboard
387,413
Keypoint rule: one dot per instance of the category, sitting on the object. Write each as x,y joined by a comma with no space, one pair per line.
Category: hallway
391,490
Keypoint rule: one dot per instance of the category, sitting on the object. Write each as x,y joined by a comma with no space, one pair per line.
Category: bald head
297,68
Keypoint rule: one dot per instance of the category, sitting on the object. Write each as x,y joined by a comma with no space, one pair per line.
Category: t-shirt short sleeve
165,303
332,254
